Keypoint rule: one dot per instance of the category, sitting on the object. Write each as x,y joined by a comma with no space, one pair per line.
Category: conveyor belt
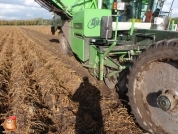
52,7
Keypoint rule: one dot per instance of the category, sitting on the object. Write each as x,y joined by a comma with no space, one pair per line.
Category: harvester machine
128,41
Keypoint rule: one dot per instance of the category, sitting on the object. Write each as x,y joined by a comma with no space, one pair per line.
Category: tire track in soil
50,43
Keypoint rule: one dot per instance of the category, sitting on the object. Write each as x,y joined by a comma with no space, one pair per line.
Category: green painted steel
113,73
89,19
132,27
73,6
94,60
172,26
115,53
115,39
105,51
109,62
85,23
109,4
101,66
64,8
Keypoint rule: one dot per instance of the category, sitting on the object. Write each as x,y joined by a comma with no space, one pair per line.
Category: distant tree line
175,20
38,21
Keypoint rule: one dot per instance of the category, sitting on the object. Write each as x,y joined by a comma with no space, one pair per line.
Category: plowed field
50,93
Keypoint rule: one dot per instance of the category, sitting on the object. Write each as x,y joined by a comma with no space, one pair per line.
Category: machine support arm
58,4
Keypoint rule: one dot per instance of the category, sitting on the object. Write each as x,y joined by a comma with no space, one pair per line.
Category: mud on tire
154,69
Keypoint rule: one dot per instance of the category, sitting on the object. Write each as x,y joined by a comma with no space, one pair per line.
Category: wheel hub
167,100
164,103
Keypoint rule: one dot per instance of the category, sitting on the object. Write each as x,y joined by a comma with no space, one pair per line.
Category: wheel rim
149,81
109,83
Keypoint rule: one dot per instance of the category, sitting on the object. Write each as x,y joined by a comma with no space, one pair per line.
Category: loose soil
51,93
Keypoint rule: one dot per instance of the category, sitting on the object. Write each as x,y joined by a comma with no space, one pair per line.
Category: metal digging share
110,36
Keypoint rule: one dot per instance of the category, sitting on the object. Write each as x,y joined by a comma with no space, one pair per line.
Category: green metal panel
78,47
89,19
108,4
92,21
85,23
94,59
72,6
93,63
78,22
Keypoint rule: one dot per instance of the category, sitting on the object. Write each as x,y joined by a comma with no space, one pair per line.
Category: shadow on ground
89,116
54,40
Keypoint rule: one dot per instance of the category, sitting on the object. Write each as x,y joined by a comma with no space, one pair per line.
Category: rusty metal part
155,69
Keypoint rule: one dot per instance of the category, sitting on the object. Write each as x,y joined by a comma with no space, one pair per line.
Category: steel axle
168,100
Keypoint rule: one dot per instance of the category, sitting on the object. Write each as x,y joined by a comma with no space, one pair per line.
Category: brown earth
52,93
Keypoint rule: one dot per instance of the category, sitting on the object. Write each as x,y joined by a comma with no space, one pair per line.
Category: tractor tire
154,70
64,45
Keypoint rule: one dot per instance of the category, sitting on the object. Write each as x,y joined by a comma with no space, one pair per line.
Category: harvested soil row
19,89
42,29
4,38
45,90
94,113
54,96
3,31
51,43
5,74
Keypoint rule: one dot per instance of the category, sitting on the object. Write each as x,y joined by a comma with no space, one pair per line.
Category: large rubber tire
154,69
64,45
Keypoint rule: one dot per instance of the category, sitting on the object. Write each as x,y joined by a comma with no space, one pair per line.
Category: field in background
43,29
47,95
